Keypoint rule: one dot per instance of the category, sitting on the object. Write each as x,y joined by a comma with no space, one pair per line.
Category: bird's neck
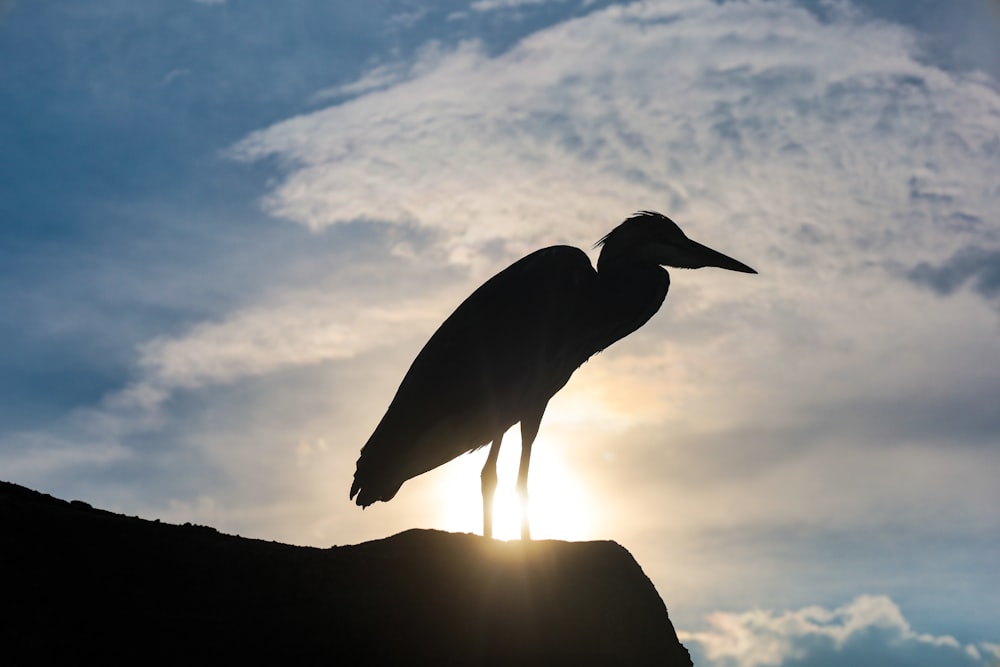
632,275
634,290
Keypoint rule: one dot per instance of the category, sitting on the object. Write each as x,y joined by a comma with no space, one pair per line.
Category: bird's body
543,313
508,348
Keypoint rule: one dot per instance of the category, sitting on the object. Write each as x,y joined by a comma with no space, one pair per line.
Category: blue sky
227,228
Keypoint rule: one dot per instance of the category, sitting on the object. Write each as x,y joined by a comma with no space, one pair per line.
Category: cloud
493,5
819,151
971,264
869,631
290,328
30,456
826,141
303,328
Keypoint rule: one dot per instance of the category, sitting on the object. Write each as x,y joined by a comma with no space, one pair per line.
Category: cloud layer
869,631
823,417
756,114
823,151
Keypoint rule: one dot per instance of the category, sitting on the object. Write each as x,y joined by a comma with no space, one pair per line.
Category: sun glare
559,506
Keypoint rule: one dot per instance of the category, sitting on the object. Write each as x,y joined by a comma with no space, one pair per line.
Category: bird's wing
513,342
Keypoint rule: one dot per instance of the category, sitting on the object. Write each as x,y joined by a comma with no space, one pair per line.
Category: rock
84,584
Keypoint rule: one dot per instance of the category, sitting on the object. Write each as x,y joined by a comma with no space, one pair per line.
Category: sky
228,226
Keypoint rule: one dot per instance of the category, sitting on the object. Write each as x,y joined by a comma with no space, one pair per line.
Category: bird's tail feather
395,454
368,494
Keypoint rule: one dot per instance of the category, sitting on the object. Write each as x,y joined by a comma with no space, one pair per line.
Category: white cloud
302,328
493,5
32,457
754,118
827,155
174,74
871,630
288,329
825,152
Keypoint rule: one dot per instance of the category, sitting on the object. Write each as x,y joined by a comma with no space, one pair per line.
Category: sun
560,507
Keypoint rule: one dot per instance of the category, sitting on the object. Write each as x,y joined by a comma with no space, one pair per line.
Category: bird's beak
694,255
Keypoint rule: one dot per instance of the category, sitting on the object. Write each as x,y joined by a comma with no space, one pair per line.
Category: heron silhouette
515,342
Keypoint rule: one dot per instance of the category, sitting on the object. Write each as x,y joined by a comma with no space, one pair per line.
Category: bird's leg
529,429
489,480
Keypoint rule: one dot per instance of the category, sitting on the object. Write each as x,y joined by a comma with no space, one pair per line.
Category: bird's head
647,236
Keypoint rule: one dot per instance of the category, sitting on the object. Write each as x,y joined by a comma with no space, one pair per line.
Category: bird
512,345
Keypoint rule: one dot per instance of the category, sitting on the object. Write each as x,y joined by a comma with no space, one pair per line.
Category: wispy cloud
971,264
492,5
823,150
304,329
869,631
754,111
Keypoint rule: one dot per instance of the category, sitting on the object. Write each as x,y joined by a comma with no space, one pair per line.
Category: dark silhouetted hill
80,584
